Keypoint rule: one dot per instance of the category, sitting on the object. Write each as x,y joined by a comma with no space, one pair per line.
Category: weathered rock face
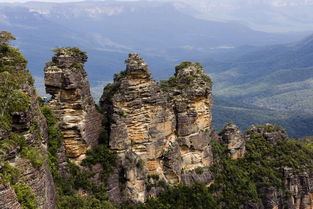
192,101
8,198
27,127
157,133
66,80
298,184
235,141
142,124
300,187
30,124
270,132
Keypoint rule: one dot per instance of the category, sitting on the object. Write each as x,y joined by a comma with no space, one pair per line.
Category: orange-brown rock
66,81
158,131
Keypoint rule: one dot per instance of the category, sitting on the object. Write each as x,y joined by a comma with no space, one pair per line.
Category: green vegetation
297,123
9,174
14,142
238,182
80,57
55,139
196,196
69,51
102,155
183,65
185,82
25,196
83,202
79,178
33,155
12,76
111,88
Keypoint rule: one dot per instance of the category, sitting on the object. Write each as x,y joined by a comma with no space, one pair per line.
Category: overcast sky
39,0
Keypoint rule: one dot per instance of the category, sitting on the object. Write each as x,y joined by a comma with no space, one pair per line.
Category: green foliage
297,123
13,75
69,51
33,155
9,174
238,181
55,139
14,142
199,170
79,178
183,65
103,155
196,196
5,37
185,82
83,202
121,113
25,196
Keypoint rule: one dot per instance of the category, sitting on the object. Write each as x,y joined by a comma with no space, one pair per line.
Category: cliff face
154,134
142,124
298,183
190,94
23,139
235,141
66,81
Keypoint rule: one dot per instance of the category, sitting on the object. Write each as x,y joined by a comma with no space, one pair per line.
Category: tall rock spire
160,134
66,81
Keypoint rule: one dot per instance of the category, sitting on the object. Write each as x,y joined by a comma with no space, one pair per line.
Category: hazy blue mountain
273,83
244,71
109,30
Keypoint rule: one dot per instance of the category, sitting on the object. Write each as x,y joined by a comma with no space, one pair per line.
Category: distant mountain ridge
278,79
109,29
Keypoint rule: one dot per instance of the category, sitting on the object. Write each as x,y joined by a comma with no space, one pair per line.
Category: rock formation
23,146
270,132
234,140
298,184
190,93
72,103
158,133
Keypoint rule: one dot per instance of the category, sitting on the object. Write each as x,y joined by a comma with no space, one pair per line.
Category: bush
25,196
33,155
103,155
9,174
195,196
83,202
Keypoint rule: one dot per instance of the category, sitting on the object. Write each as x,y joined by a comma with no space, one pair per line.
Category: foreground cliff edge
147,142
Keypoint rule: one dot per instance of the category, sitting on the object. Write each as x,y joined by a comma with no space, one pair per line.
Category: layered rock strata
190,93
298,184
31,125
66,81
158,134
235,141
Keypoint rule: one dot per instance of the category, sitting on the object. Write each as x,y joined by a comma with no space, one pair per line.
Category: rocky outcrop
235,141
192,101
300,187
298,184
142,124
66,81
159,131
31,126
8,198
272,133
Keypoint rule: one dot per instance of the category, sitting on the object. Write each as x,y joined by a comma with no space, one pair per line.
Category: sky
22,1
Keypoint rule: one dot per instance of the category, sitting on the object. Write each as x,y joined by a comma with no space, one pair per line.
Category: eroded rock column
142,124
66,81
190,93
